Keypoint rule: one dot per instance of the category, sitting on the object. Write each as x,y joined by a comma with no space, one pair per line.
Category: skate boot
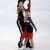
20,44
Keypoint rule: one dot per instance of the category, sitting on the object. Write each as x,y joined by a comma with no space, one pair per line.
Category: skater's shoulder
18,8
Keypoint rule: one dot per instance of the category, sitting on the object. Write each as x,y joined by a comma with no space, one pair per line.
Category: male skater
20,20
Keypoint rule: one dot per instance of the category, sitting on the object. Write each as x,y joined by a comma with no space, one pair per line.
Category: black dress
29,25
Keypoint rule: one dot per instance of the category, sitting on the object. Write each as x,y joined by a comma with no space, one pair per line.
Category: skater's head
27,12
20,3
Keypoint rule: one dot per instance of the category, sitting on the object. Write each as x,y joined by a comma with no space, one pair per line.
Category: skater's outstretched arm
29,18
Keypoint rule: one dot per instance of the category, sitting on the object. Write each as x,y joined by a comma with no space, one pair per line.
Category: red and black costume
28,29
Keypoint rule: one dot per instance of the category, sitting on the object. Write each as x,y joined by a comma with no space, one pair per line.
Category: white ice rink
9,33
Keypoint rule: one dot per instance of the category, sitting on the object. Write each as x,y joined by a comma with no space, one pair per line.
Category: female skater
28,32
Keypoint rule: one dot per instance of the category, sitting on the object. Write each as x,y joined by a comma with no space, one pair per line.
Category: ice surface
9,33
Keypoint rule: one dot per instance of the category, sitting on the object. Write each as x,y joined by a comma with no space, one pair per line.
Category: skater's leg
28,43
30,36
32,43
19,26
23,47
25,42
20,29
20,43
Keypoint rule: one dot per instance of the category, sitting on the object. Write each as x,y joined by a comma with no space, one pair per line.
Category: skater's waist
21,19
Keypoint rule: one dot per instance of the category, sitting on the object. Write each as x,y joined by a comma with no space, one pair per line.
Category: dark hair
20,1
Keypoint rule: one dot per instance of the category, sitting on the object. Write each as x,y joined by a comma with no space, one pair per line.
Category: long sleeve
19,10
32,23
20,13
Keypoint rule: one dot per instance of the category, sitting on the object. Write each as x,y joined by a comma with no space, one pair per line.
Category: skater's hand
35,30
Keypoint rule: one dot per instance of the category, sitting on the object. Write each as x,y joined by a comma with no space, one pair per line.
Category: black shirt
20,14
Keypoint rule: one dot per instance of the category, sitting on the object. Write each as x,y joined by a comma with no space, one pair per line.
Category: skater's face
20,4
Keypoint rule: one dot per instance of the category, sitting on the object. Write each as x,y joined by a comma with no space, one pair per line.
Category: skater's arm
18,10
32,23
